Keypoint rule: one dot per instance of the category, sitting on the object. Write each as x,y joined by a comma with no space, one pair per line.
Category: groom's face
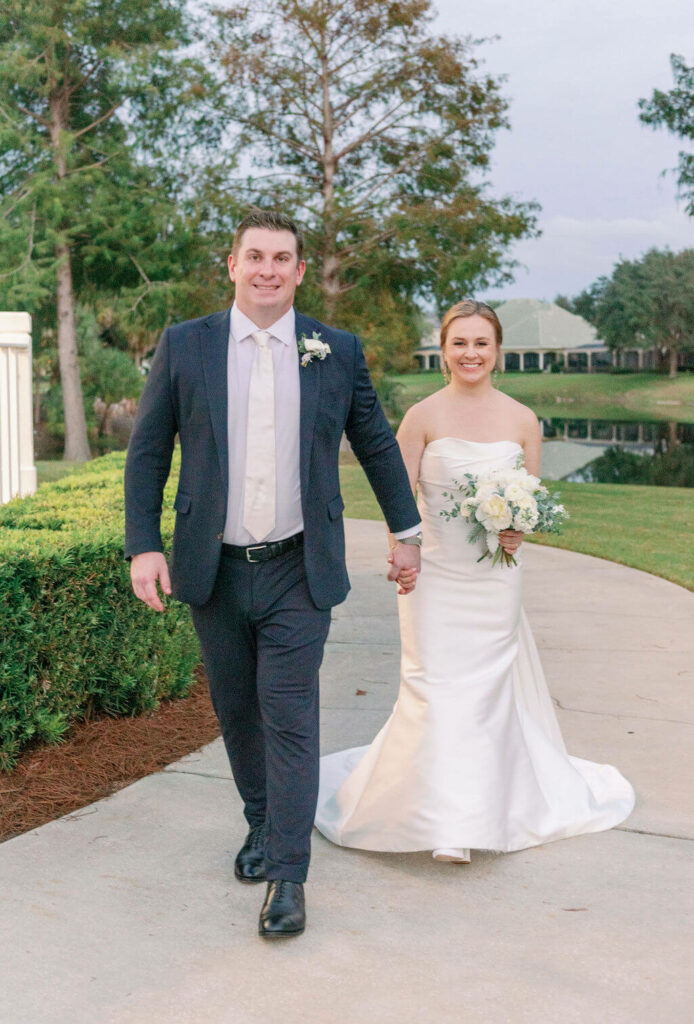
266,272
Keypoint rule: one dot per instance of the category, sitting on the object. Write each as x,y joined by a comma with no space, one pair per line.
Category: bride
471,756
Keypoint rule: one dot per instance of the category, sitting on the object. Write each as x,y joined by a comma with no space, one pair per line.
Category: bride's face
470,349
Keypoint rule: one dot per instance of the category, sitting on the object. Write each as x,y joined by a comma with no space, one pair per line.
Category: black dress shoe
283,912
250,860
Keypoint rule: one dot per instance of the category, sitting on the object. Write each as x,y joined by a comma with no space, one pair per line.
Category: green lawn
646,396
648,528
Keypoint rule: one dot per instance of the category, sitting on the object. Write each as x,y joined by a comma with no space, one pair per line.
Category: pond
624,451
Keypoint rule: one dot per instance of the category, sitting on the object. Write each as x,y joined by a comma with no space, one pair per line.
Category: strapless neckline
478,444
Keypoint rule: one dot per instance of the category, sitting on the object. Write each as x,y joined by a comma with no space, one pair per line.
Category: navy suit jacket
186,394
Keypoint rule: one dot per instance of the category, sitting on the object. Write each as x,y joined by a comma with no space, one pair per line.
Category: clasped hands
405,564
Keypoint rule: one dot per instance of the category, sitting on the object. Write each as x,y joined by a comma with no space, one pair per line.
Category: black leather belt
263,552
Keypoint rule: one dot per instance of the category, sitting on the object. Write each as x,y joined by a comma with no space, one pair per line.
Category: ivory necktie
259,494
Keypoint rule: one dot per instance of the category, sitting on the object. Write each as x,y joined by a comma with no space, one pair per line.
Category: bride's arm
411,439
532,443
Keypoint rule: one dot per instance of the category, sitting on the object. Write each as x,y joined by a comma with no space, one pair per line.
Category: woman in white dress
471,756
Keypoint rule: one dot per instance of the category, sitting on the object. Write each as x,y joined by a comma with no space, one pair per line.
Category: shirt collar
283,330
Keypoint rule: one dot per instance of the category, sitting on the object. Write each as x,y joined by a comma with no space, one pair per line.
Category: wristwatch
415,538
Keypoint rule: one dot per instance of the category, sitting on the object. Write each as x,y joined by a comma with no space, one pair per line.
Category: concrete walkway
127,911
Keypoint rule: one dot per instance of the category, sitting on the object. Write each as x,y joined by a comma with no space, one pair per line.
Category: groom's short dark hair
273,220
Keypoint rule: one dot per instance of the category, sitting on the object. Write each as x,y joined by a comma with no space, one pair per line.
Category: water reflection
658,452
658,435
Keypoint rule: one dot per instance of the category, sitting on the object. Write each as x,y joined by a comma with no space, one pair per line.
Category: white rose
510,476
494,513
314,345
516,493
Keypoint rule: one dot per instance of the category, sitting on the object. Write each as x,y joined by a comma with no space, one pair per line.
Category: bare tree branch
99,120
90,167
36,117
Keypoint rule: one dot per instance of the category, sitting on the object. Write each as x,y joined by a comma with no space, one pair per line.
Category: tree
582,304
377,135
85,88
674,110
648,303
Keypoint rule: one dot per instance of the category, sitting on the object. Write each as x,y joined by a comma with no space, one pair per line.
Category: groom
259,396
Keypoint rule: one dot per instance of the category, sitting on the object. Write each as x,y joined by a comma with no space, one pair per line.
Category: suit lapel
309,381
215,344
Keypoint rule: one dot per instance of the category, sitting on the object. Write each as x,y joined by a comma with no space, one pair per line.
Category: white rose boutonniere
312,348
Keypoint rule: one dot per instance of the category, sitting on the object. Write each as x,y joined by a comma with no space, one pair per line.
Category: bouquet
504,499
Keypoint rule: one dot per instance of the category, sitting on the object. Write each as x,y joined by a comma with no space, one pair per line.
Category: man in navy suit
259,396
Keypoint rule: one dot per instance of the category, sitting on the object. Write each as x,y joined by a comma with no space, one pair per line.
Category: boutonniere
312,348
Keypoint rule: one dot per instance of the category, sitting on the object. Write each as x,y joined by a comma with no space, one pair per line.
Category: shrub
74,640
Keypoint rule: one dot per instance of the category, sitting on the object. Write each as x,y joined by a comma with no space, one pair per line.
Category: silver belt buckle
254,547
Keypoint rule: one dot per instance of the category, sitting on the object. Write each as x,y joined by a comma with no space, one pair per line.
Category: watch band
414,538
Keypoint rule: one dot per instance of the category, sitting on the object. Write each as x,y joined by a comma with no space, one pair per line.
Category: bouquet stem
500,555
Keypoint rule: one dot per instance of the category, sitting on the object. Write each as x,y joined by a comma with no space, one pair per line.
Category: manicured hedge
74,640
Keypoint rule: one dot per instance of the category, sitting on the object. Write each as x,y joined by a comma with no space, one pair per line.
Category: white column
17,470
522,361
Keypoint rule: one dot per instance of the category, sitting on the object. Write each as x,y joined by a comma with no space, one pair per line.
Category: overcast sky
575,72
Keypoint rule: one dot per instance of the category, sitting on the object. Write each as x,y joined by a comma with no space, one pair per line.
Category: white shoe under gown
472,755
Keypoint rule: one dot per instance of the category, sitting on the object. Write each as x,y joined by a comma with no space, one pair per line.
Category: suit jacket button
220,536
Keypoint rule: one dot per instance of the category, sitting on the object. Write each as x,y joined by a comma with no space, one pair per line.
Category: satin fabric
472,755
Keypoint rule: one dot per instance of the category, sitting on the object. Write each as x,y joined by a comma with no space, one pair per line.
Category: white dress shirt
285,360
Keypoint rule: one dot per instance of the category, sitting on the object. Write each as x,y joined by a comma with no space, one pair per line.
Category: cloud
572,252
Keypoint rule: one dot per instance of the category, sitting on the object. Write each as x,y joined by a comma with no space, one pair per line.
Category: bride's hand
511,540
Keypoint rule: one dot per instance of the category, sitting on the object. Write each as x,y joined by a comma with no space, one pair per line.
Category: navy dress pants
262,642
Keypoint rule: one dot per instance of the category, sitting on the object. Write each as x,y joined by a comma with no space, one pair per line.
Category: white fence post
17,470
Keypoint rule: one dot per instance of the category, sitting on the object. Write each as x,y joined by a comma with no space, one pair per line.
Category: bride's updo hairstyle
469,307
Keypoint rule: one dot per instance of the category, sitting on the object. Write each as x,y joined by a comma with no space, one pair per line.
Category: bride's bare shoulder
419,417
421,411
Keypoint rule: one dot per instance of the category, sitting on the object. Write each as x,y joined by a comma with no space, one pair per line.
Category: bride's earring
495,375
445,371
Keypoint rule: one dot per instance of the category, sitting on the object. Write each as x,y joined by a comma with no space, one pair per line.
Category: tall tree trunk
330,270
672,362
76,442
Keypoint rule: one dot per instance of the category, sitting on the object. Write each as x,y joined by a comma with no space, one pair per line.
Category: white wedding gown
472,755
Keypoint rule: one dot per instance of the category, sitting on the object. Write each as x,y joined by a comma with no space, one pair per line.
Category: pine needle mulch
100,757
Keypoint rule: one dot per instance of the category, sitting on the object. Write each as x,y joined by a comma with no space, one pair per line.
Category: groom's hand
145,570
405,565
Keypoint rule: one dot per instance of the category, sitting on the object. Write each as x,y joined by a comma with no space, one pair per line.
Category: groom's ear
300,271
231,264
